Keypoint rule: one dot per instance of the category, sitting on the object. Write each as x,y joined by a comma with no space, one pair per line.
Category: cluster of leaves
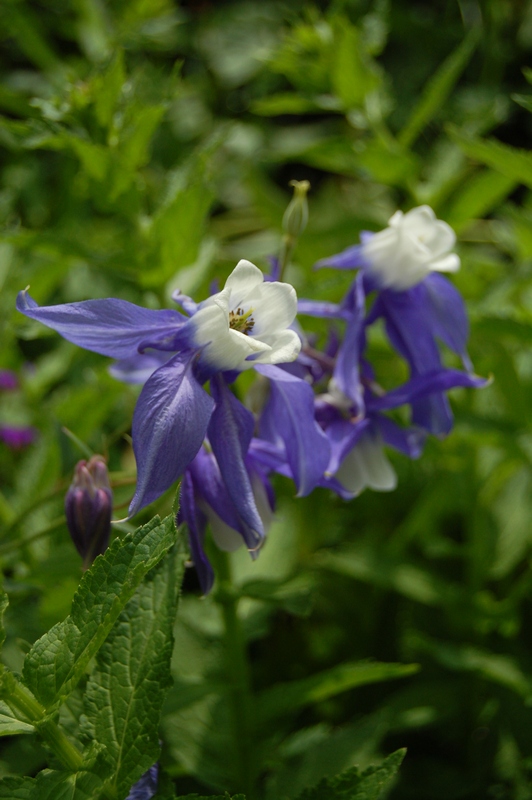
149,146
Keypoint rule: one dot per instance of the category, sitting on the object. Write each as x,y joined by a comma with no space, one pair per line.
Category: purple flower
420,308
17,437
88,508
8,380
243,326
146,787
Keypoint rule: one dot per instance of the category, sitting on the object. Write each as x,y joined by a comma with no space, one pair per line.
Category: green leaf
10,725
287,697
291,103
482,192
352,75
125,693
17,788
57,661
438,89
4,602
107,89
354,785
54,785
510,161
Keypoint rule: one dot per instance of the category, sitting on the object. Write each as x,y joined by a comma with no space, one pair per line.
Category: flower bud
296,215
88,507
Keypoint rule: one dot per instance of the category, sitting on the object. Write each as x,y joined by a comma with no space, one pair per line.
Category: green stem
238,675
23,703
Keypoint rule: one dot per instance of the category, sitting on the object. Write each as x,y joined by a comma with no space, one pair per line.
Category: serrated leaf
438,89
353,785
17,788
125,693
287,697
10,725
54,785
57,661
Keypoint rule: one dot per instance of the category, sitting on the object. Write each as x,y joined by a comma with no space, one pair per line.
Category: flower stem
238,676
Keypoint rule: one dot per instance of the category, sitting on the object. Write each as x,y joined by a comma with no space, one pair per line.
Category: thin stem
238,675
24,704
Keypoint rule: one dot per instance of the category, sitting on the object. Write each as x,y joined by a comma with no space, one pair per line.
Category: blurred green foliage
149,146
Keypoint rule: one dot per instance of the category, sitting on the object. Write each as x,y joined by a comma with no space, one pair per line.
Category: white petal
225,537
450,263
274,307
243,279
285,347
366,465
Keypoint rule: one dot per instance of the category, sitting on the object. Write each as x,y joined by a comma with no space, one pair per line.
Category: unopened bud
296,215
88,507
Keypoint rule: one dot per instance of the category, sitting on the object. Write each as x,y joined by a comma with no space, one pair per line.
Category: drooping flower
243,326
403,254
88,508
420,308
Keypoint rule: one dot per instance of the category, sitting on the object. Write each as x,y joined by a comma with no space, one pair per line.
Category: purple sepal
146,787
351,258
343,434
188,305
169,425
409,441
346,371
8,380
110,327
230,431
429,383
17,437
289,417
448,315
319,308
138,368
196,522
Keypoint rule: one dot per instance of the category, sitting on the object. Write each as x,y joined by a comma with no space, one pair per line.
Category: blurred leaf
438,89
57,661
354,785
352,76
481,194
513,163
288,697
17,788
107,89
294,595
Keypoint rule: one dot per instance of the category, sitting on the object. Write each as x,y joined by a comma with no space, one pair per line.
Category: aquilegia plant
317,416
323,422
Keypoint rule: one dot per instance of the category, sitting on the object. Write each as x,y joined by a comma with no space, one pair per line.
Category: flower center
241,320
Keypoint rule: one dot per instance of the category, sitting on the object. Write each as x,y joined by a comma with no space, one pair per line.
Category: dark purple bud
8,380
17,437
146,787
88,507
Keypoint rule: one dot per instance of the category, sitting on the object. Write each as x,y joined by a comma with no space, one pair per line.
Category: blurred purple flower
8,380
17,437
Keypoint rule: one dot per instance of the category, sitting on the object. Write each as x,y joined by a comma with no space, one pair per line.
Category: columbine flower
88,508
403,254
244,325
